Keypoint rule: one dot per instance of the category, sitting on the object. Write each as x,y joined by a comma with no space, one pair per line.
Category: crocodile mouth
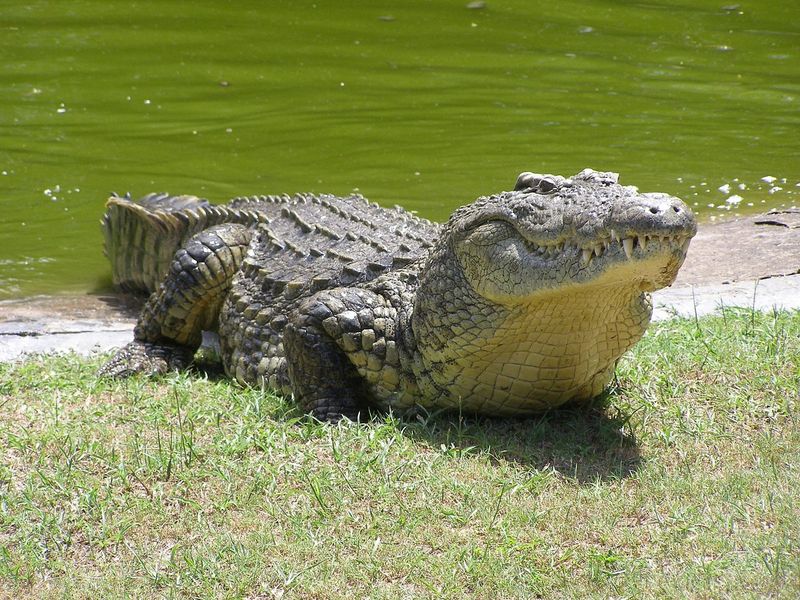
631,247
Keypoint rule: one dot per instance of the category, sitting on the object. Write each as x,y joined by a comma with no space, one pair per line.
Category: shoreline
752,262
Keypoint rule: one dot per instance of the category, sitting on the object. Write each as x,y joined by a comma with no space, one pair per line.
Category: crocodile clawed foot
147,358
333,410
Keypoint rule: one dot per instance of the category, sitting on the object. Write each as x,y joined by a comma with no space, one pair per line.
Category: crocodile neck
553,348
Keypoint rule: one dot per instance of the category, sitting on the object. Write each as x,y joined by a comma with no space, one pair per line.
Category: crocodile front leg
328,346
171,324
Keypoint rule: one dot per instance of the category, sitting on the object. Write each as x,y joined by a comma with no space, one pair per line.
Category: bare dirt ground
751,261
747,248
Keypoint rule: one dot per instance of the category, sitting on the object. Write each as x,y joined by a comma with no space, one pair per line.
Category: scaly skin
523,301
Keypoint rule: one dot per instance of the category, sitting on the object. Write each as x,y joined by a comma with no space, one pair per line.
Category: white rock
733,200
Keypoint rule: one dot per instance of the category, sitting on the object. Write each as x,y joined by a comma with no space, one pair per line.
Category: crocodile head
553,233
531,296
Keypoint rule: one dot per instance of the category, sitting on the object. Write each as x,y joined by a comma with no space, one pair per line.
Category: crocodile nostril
654,210
677,209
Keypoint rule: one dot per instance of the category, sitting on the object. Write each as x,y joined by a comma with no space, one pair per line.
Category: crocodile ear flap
535,182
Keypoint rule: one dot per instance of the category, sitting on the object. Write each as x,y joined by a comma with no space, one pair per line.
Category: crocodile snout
658,213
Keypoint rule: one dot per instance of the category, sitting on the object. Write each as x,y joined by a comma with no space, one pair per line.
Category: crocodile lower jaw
648,270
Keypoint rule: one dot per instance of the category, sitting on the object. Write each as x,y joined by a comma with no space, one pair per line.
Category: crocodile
522,301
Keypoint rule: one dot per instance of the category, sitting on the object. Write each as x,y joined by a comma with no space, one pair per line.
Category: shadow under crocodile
586,443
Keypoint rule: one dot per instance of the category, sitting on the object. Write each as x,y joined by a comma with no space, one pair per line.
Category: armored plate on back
522,301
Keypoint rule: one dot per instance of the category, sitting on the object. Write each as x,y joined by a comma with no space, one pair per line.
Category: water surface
426,104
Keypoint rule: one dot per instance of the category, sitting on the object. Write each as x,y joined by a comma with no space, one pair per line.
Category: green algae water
427,104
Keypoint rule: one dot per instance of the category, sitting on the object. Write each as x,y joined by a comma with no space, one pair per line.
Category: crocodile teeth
598,249
586,256
643,242
685,245
627,244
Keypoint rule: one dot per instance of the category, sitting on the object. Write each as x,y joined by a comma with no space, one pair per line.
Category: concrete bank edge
40,334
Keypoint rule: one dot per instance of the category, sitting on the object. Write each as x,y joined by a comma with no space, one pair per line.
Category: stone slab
781,293
82,324
745,248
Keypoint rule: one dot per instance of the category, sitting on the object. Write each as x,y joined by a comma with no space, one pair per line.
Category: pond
427,104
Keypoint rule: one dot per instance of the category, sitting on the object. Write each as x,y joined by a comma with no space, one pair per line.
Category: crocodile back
141,236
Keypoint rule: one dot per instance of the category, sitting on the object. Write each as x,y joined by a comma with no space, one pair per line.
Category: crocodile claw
146,358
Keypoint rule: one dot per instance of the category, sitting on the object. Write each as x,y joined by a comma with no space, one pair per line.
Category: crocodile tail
142,236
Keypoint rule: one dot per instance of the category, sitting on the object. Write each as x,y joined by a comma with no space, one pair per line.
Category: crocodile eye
526,180
546,185
541,184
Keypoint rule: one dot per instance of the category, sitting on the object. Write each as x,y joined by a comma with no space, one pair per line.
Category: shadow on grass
585,443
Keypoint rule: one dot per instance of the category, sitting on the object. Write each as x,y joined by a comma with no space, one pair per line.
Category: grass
682,482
